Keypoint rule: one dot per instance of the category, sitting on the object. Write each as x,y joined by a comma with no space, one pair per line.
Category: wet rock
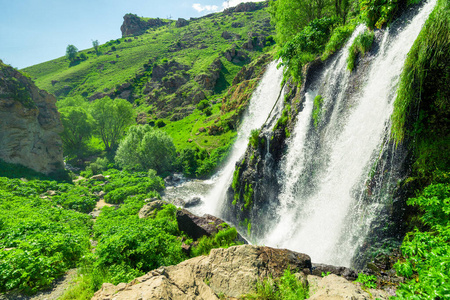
347,273
193,202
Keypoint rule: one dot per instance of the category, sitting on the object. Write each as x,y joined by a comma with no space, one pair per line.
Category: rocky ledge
233,272
29,122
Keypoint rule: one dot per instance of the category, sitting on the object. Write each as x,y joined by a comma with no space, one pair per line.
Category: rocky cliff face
29,123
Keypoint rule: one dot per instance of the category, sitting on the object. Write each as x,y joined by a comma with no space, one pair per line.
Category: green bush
426,253
377,13
287,287
306,45
160,123
254,138
338,38
129,246
361,44
146,148
223,239
317,110
77,198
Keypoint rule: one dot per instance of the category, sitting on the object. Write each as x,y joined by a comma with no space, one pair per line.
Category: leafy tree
112,118
146,148
290,16
95,45
78,126
71,52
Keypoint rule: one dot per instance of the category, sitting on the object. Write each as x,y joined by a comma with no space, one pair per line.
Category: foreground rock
30,124
231,272
335,287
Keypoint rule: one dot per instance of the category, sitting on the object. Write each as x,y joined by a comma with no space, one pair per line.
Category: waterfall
262,106
324,172
261,103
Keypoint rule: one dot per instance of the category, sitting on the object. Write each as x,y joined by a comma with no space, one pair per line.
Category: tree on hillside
146,148
95,45
71,52
112,118
78,126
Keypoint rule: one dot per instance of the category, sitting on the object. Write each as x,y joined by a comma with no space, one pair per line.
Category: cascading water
213,191
323,174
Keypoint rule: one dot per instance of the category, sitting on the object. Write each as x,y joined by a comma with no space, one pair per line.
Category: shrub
254,138
360,46
304,47
223,239
377,13
285,287
160,123
317,110
338,38
146,148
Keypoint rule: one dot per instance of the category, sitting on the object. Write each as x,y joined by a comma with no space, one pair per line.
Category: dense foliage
39,241
426,252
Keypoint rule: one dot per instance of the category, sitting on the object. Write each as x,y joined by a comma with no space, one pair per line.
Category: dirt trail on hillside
58,288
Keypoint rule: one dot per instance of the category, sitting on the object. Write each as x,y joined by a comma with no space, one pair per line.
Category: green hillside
168,70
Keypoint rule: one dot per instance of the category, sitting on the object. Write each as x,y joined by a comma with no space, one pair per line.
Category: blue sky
34,31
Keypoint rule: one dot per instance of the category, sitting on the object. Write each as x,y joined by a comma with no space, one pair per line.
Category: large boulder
195,226
231,272
30,124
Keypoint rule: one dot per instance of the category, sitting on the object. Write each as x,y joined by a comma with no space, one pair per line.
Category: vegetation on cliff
421,119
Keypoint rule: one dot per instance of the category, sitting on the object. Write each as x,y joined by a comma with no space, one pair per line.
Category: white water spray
322,185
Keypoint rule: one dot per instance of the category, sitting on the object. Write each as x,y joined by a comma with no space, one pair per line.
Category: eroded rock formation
29,122
232,272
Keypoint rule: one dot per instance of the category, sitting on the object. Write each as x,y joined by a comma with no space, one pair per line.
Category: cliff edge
29,122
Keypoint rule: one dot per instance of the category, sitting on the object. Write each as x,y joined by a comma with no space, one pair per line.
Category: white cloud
231,3
208,8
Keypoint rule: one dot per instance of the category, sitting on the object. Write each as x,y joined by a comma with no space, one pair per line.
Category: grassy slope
104,73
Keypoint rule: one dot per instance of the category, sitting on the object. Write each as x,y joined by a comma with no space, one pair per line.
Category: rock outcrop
133,25
234,272
30,124
231,272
